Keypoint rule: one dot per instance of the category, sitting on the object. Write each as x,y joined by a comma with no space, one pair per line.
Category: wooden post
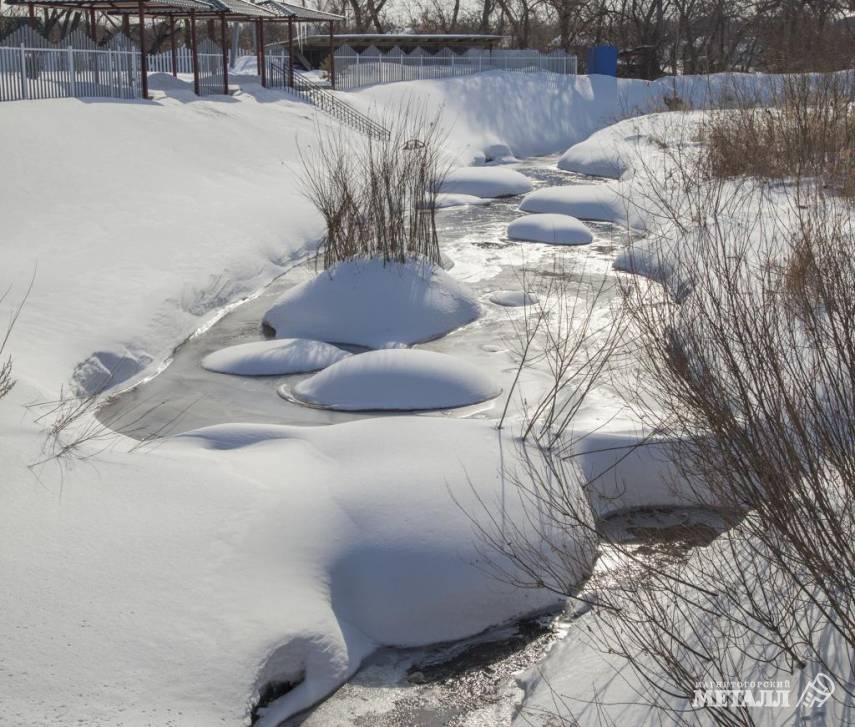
93,29
32,13
143,59
126,25
332,57
225,43
261,52
291,52
173,46
194,53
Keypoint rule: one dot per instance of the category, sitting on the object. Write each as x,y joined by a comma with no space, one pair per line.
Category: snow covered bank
367,303
533,114
399,380
141,220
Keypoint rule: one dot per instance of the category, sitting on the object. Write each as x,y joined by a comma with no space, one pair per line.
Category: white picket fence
354,70
162,62
33,68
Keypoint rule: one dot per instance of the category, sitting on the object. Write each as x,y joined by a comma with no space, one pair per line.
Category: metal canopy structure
298,13
405,40
265,11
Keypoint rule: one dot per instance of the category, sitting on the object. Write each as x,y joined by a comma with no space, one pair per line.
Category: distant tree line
655,36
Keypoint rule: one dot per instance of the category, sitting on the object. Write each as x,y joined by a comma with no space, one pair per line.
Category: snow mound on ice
597,156
399,380
551,228
486,182
446,199
367,303
273,358
499,154
603,202
512,298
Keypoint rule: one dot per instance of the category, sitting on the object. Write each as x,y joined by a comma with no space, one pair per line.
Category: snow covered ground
167,584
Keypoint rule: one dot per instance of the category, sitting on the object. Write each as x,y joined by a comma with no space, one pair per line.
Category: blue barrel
602,59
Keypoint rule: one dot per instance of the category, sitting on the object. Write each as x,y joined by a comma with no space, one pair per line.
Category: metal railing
49,72
356,70
278,76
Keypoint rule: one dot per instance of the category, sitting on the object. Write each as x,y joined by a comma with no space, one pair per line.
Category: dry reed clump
805,128
378,198
7,381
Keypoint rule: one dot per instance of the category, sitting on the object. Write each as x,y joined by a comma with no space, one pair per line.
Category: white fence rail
162,62
38,69
372,66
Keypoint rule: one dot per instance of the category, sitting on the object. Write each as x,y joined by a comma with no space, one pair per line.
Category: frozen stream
470,683
185,396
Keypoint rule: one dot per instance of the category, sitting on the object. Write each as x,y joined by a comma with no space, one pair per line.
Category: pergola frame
266,11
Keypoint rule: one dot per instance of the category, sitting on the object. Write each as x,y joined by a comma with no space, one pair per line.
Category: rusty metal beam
194,53
261,50
172,46
290,53
143,58
332,57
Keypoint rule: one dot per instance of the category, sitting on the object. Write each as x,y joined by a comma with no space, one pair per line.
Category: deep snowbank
533,114
140,220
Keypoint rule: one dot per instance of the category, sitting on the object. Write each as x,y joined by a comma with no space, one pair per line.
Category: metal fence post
24,87
72,84
110,78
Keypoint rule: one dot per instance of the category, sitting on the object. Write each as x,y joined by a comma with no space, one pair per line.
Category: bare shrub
805,128
574,332
7,381
378,198
750,363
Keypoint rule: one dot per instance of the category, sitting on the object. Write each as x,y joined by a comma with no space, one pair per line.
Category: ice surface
555,229
367,303
400,379
486,182
273,358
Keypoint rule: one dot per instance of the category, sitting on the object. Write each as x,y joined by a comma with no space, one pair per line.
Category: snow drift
367,303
